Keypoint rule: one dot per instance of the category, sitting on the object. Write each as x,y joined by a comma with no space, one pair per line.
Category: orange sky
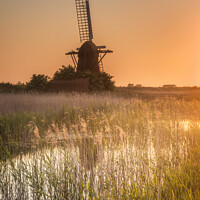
155,42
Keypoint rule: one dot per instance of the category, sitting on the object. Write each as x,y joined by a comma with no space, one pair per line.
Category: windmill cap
98,47
88,47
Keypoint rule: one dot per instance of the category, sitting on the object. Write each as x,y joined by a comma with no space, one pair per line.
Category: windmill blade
84,20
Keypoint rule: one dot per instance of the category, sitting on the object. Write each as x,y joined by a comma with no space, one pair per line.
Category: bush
38,83
97,81
65,73
12,88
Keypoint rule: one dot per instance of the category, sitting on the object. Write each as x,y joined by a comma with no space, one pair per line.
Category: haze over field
154,42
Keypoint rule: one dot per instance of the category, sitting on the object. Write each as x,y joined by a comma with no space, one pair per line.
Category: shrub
12,88
97,81
38,83
65,73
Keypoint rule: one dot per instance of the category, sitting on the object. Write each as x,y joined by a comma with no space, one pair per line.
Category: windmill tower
90,56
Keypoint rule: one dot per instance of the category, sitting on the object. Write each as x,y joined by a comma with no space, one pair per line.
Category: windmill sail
88,55
84,20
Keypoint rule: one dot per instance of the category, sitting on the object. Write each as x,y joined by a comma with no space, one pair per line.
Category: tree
65,73
12,88
38,83
97,81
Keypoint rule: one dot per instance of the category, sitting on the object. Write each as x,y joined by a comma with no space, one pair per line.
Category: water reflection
139,155
89,152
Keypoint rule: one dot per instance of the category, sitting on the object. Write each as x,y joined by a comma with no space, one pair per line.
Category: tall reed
99,146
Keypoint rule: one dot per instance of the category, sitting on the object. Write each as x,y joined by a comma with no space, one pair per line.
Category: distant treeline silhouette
42,83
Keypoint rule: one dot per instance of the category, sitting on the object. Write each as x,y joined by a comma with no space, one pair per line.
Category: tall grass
99,146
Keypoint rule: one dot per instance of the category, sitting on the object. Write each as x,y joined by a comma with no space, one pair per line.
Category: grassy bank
100,146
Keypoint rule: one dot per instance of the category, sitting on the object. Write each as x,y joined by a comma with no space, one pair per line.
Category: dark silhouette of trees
97,81
38,83
65,73
100,81
12,88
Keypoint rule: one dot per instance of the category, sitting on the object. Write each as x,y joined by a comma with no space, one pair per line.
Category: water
82,163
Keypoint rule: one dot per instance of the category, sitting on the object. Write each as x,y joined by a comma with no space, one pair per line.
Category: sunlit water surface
125,156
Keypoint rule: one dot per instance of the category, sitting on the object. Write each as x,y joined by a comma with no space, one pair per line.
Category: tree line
41,83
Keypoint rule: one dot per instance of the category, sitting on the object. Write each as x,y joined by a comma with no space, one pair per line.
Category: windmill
90,56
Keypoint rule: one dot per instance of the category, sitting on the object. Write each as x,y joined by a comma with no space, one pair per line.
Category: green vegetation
65,73
99,146
12,88
97,81
41,83
38,83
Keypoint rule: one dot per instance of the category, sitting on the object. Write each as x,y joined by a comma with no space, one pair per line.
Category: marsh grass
99,146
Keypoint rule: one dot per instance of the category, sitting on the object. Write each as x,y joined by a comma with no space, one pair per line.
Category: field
119,145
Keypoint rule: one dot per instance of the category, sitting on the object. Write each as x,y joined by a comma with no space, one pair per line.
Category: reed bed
98,146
